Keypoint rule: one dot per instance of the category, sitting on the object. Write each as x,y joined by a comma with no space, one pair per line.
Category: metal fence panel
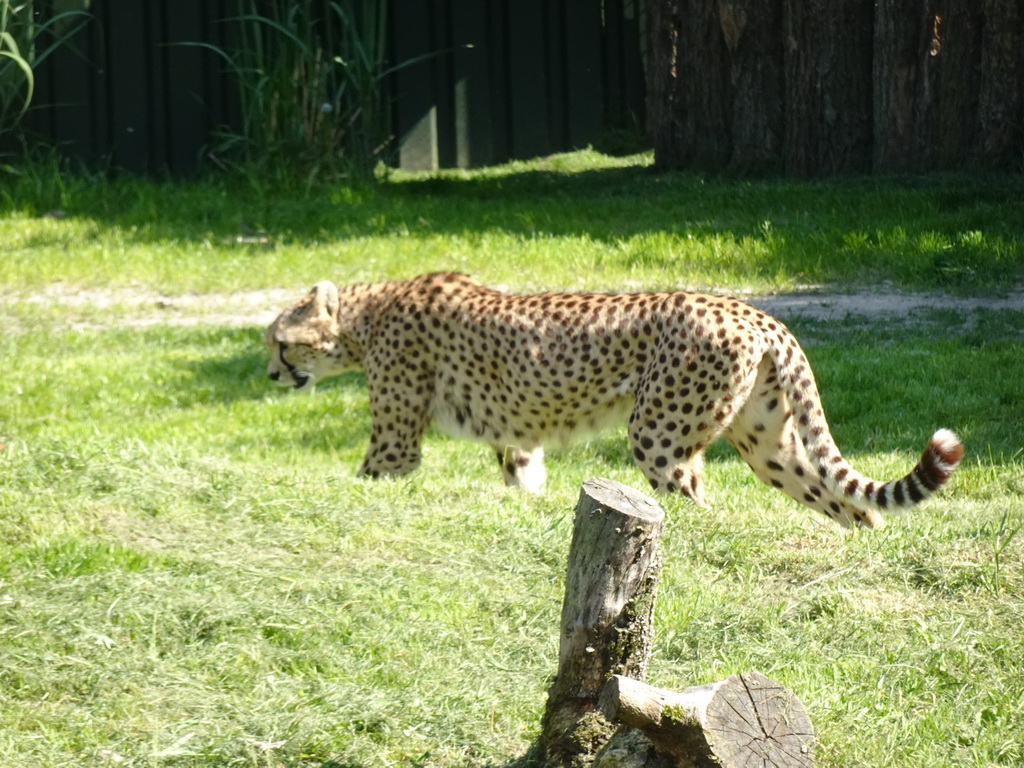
477,81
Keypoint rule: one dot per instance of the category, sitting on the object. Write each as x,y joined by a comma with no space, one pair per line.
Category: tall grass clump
310,82
27,37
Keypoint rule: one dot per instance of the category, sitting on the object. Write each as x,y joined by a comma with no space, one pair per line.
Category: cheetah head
304,341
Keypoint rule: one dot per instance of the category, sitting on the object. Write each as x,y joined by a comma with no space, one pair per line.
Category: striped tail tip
942,456
938,462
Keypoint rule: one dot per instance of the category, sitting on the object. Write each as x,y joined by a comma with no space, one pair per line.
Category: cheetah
518,372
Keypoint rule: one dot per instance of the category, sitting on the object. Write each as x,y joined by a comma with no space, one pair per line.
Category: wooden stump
611,579
599,714
744,720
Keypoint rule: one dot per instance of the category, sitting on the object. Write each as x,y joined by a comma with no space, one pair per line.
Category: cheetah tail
937,464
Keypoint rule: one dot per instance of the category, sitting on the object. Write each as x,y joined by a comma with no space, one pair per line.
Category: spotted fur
518,372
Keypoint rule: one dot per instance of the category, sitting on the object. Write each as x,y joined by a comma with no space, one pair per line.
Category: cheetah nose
274,375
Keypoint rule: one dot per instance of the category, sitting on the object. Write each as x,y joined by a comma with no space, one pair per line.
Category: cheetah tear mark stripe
301,378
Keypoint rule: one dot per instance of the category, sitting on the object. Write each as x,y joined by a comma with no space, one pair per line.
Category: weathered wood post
599,713
612,573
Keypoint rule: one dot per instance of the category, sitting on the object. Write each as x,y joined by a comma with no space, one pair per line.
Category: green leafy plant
310,80
25,42
14,63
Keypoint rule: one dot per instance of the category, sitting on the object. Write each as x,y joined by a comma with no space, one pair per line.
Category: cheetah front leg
521,468
392,452
399,416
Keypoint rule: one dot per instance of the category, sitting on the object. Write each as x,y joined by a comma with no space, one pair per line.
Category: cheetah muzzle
518,372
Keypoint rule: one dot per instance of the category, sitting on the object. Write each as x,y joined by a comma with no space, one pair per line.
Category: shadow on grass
243,376
225,379
959,231
532,758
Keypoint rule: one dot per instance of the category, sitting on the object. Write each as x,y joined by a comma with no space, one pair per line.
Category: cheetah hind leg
764,434
669,438
671,461
523,468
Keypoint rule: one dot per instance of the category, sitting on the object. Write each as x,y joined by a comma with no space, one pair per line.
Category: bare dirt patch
139,308
879,304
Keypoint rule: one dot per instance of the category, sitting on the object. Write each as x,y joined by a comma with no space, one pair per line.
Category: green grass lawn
191,575
579,220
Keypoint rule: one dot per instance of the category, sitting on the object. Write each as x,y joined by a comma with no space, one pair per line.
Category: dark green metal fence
490,80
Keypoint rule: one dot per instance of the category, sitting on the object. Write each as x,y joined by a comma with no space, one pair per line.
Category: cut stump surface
742,721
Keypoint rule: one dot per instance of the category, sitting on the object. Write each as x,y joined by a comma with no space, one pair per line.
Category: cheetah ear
325,298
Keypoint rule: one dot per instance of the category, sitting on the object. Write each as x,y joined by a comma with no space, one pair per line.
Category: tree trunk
689,88
744,720
1000,136
753,41
827,87
611,579
842,86
715,84
954,54
663,31
926,76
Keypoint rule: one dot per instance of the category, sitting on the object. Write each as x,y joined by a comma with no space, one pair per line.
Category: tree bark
752,32
663,31
611,580
999,140
831,87
741,721
926,76
827,93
